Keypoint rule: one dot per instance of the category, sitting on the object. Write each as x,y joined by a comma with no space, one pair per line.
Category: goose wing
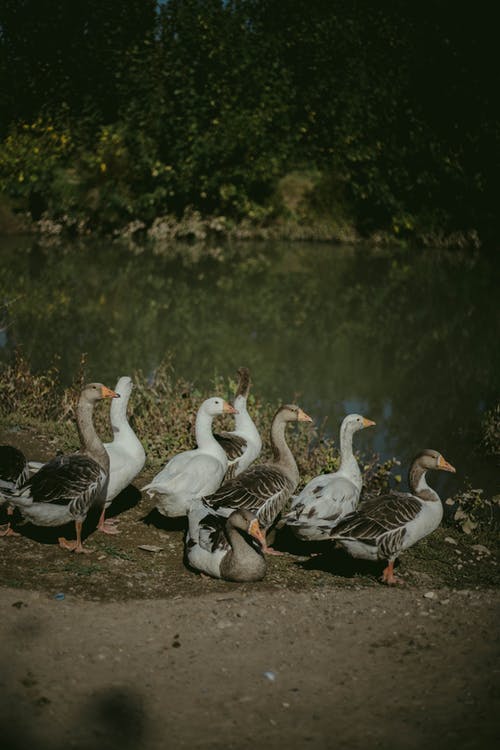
234,445
206,528
378,516
262,489
66,479
326,499
13,467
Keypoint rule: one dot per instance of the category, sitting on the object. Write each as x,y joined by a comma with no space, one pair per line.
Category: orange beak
228,409
108,393
257,533
303,417
445,466
368,422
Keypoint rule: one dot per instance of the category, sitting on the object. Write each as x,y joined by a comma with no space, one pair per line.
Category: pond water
409,339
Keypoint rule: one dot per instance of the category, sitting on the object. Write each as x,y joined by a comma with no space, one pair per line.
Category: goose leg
9,531
107,525
388,575
75,545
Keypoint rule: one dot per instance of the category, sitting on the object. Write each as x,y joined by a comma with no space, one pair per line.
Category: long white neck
205,438
118,415
348,463
244,422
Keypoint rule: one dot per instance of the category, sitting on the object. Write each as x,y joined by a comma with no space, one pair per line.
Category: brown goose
243,444
264,489
66,487
385,525
216,544
13,474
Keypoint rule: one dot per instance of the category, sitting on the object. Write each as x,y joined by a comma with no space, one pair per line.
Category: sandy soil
283,669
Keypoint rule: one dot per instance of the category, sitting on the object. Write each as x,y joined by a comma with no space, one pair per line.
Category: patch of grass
80,569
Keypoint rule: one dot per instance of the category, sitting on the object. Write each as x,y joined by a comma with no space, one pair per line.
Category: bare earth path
358,668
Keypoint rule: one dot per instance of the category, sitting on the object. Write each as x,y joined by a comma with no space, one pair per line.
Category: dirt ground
273,669
127,647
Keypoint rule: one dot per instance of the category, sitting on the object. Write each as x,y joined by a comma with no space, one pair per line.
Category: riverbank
207,231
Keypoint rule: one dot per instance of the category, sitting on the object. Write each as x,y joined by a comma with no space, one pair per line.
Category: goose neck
348,462
417,481
242,559
118,411
90,441
282,454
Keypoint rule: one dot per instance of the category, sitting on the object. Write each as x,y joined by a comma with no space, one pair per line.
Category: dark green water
409,339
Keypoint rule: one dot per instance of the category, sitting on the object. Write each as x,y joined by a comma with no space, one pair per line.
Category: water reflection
409,339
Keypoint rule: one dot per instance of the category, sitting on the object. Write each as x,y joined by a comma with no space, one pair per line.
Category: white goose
243,444
216,545
190,475
126,454
330,497
65,488
385,525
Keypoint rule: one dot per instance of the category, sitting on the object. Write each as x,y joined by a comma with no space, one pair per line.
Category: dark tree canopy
208,104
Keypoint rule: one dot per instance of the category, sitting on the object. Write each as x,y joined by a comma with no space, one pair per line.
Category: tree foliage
210,102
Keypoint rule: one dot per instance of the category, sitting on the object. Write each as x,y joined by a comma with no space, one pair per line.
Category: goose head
243,382
354,422
245,521
431,459
94,392
292,413
215,406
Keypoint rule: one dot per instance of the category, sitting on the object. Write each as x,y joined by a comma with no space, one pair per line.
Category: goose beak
303,417
108,393
257,533
228,409
445,466
368,422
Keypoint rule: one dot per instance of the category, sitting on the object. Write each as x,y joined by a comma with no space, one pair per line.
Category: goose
243,444
65,488
216,544
190,475
126,454
265,489
13,474
385,525
330,497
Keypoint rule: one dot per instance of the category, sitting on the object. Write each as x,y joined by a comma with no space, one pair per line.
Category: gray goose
265,489
65,488
216,544
14,472
330,497
385,525
243,444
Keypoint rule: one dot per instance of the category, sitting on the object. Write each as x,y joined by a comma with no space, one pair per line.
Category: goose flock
231,503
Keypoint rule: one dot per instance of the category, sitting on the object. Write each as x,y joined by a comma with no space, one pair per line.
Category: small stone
450,540
445,601
481,549
271,676
150,547
430,595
